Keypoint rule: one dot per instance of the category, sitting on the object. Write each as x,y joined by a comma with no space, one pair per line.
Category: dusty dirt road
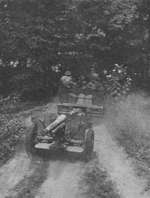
118,166
23,177
13,172
49,179
62,180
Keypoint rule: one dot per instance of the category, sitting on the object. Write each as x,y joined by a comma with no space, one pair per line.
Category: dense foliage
37,36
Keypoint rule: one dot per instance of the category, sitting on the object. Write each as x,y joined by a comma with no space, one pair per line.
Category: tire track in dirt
27,188
62,180
119,168
13,172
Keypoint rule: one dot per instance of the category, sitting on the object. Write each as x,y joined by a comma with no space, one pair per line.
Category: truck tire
88,144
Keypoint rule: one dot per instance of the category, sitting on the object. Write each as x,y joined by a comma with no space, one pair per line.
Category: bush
11,131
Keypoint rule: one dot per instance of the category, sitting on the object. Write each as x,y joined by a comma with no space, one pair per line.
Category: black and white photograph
74,98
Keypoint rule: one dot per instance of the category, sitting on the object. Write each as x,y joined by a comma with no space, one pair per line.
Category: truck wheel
88,144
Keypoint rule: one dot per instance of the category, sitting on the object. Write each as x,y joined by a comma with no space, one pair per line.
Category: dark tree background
36,36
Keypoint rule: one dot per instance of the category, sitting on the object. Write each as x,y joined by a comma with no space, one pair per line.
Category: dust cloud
128,118
119,168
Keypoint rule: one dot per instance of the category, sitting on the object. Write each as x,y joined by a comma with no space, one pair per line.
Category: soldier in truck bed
67,80
67,86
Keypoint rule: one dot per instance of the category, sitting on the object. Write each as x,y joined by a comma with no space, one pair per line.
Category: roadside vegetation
11,130
97,183
41,40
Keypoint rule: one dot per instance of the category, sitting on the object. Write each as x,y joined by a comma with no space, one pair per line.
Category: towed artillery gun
71,131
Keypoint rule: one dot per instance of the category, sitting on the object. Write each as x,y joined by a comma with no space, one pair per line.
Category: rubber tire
88,144
30,137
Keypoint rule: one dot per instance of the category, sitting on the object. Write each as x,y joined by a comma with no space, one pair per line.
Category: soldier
67,86
67,79
93,75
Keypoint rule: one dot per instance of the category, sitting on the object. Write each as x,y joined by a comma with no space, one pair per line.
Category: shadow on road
48,155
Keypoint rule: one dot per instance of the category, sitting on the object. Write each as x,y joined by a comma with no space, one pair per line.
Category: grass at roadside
11,130
96,182
13,127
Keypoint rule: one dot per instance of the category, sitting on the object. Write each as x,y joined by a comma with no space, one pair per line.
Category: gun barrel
60,119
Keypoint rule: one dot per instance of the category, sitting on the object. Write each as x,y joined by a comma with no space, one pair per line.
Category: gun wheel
31,135
88,144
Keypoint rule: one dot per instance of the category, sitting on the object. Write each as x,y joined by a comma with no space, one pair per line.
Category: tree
73,34
30,31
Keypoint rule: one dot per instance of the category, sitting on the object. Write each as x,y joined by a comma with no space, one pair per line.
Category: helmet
68,73
105,71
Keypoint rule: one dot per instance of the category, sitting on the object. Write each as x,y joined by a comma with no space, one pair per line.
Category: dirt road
118,166
13,172
62,180
23,177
